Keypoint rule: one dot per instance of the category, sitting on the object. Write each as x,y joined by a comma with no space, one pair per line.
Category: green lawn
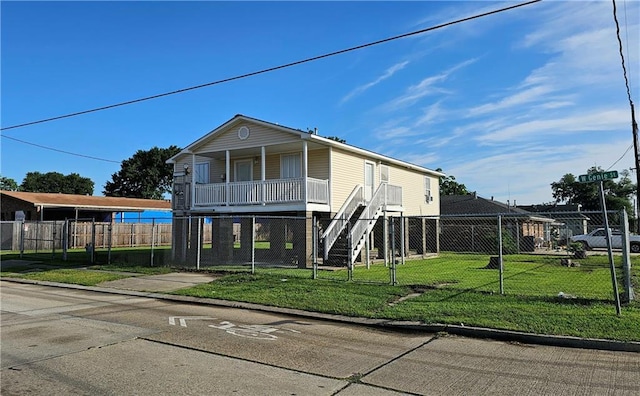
448,289
74,276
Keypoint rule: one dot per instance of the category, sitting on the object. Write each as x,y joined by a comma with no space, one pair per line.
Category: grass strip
73,276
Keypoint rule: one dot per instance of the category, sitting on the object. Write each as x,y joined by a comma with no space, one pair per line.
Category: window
427,190
201,172
290,166
384,174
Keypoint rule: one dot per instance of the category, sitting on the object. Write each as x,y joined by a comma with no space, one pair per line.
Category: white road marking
183,319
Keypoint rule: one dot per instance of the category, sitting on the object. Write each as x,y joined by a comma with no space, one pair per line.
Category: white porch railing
259,192
367,219
340,220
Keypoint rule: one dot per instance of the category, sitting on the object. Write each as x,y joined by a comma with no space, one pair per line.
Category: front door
368,180
244,171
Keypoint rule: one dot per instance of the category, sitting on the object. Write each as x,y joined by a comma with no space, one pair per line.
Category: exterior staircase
347,234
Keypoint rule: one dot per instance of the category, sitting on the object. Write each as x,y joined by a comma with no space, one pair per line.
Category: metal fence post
153,237
402,238
65,239
501,264
110,230
21,239
314,249
199,245
53,242
253,244
393,252
93,241
37,223
626,260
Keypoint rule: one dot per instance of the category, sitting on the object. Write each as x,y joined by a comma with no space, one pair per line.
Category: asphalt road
76,342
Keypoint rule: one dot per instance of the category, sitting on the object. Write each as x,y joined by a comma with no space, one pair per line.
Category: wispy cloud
523,97
525,173
427,86
602,120
388,73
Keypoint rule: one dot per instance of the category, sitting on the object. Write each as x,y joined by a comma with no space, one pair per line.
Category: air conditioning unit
428,198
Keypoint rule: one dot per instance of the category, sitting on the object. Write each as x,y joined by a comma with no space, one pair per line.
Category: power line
299,62
60,151
634,124
621,157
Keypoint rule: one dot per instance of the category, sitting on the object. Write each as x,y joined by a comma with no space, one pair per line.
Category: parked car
597,239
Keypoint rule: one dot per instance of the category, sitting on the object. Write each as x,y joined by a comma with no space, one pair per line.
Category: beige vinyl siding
218,168
179,167
413,191
318,164
347,171
258,136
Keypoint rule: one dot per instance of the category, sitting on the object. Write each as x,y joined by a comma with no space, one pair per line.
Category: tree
8,184
617,193
145,175
56,182
449,186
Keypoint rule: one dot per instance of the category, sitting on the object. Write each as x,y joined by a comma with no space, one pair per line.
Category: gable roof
472,204
558,211
312,137
114,204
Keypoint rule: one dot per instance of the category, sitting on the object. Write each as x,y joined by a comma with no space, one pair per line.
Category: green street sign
600,176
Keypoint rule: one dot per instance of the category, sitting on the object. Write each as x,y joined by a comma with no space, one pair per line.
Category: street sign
600,176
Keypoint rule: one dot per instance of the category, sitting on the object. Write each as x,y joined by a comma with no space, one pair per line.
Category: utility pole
634,130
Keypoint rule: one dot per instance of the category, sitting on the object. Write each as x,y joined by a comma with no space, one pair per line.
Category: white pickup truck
597,239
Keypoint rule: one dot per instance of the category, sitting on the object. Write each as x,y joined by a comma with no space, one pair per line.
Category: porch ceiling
255,151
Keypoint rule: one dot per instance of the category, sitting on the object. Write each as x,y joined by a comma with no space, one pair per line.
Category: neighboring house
47,208
469,223
251,167
57,206
570,221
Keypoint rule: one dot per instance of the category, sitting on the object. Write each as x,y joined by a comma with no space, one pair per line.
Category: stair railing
366,221
340,220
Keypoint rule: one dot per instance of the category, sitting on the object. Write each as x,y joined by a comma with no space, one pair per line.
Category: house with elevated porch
249,167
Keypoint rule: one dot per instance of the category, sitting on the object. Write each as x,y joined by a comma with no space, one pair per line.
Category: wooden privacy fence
50,235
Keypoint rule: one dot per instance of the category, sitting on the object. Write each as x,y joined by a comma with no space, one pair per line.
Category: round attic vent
243,133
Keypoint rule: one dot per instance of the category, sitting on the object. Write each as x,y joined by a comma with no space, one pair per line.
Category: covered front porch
289,176
262,192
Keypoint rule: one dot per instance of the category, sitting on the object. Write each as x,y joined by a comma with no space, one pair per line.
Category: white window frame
282,166
384,169
235,169
202,177
428,196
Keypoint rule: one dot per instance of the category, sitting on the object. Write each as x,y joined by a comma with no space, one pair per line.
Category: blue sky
507,103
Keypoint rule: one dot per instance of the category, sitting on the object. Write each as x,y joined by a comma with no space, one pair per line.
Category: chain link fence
511,254
541,255
89,241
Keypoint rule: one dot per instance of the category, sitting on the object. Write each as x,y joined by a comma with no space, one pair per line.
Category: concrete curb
466,331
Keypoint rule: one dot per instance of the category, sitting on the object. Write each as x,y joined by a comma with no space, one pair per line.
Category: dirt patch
404,298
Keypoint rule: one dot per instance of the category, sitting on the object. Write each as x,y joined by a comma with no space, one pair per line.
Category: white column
305,168
193,181
263,173
227,176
